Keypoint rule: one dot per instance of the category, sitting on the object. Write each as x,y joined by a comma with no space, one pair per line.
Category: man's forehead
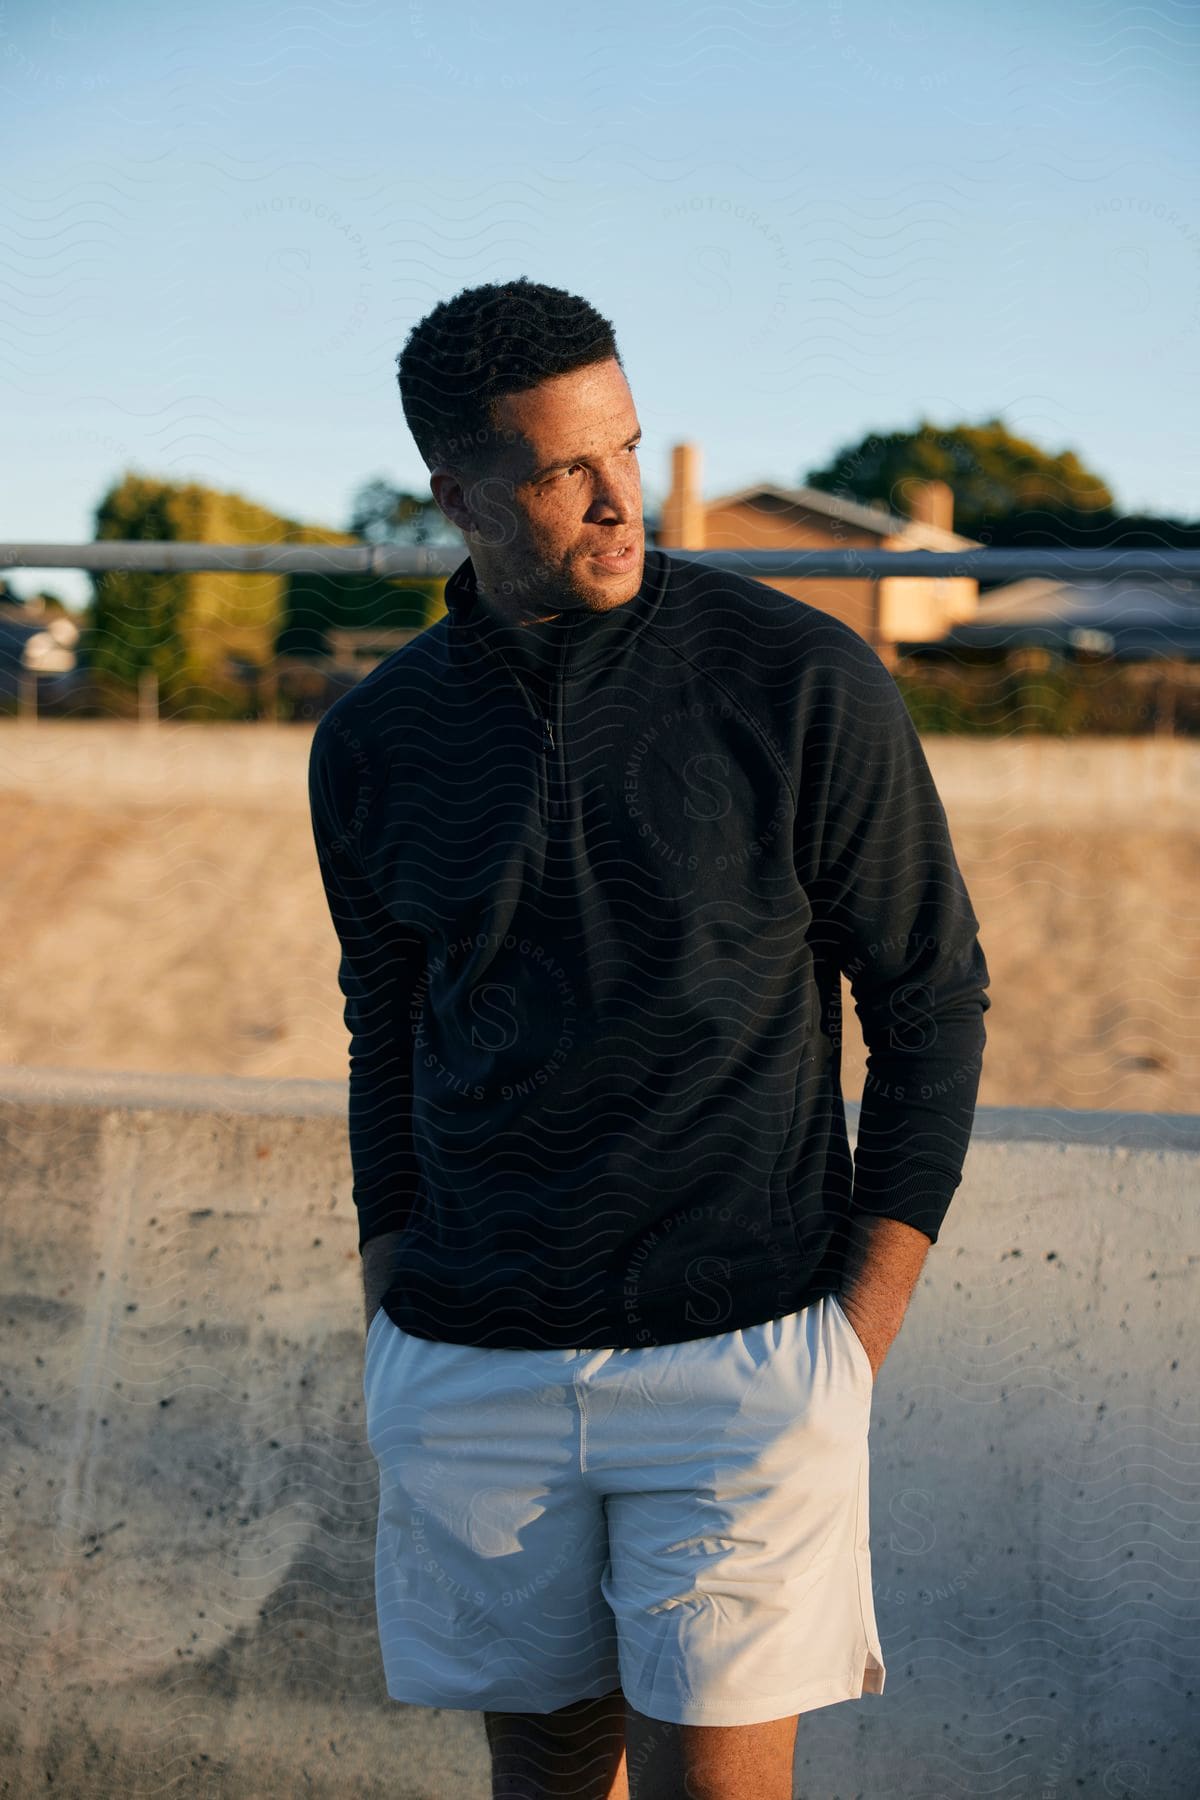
585,403
577,435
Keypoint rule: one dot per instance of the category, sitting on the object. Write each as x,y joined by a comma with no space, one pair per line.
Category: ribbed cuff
377,1226
917,1196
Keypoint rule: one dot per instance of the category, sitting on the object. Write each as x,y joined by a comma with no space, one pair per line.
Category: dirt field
161,909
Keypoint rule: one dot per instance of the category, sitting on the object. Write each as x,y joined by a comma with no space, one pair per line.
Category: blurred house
765,516
37,652
1115,655
1127,618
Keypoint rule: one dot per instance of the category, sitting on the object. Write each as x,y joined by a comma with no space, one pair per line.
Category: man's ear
447,489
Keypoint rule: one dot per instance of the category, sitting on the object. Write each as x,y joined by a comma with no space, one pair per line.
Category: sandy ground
161,910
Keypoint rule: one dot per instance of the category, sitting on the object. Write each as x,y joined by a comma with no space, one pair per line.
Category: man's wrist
885,1259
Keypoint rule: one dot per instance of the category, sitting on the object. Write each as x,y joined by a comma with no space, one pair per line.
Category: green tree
134,621
996,478
196,628
384,514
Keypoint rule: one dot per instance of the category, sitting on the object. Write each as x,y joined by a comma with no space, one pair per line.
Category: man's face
565,488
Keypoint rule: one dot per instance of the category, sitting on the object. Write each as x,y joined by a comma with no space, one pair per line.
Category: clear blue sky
807,221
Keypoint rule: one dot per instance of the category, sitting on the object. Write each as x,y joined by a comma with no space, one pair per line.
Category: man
597,847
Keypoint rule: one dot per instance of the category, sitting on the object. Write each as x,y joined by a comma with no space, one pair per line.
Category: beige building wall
914,607
772,524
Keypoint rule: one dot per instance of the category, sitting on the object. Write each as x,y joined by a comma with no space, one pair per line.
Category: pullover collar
584,640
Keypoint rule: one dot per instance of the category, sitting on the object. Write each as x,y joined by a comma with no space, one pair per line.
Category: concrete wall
189,1500
1012,780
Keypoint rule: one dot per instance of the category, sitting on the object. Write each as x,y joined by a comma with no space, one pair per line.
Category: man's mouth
617,559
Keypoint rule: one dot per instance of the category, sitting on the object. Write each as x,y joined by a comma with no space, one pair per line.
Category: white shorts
689,1522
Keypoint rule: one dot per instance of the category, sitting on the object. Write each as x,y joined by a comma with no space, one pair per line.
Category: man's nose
619,495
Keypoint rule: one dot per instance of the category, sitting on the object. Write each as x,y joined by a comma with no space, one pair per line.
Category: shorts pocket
857,1347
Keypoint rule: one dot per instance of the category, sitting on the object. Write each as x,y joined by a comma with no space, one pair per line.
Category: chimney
931,503
682,524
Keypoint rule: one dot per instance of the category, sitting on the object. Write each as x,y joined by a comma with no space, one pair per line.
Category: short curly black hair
484,344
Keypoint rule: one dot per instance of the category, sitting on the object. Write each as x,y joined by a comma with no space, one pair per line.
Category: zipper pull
547,735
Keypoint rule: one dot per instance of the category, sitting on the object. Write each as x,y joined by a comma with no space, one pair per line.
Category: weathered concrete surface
189,1500
166,911
1025,778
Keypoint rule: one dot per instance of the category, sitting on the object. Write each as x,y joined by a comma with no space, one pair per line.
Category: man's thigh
709,1762
576,1752
605,1749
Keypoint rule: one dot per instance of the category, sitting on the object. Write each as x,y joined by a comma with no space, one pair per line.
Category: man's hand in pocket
885,1260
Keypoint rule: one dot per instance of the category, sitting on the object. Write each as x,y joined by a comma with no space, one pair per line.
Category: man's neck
509,613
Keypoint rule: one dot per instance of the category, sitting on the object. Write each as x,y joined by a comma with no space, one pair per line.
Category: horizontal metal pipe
436,561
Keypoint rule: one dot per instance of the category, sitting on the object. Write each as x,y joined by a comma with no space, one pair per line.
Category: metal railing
442,559
436,561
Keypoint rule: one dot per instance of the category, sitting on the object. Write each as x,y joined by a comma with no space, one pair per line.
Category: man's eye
633,448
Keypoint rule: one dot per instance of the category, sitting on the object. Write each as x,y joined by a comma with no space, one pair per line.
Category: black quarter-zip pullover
592,928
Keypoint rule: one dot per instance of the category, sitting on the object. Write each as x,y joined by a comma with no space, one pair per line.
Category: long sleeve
893,908
381,966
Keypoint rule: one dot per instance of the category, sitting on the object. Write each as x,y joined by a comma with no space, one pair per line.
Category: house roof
875,519
1139,617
